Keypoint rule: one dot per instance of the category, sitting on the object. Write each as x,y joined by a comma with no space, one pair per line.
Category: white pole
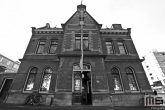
82,54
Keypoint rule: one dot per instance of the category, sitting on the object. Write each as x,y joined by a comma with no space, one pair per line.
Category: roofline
9,59
63,24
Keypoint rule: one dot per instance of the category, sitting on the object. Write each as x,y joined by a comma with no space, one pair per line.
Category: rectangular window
16,66
85,42
78,42
122,48
40,48
1,58
77,81
110,49
53,47
132,83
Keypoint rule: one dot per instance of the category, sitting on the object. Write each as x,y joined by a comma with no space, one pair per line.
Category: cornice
48,32
38,59
114,32
129,60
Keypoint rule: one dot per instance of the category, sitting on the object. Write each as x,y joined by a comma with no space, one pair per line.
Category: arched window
116,79
131,79
46,79
31,78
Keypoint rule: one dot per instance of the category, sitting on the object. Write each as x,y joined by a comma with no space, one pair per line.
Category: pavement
76,107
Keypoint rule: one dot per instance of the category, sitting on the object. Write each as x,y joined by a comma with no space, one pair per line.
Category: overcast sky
145,17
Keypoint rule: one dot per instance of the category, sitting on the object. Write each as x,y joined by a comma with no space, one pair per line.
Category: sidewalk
81,107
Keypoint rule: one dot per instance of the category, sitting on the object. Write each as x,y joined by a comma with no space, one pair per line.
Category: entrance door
86,88
82,94
5,88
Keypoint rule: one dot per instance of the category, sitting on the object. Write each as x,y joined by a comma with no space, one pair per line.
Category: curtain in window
109,47
46,79
40,47
116,79
31,78
121,47
78,44
85,43
131,79
53,47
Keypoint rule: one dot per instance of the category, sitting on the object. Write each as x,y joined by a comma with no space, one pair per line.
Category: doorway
5,87
82,86
86,88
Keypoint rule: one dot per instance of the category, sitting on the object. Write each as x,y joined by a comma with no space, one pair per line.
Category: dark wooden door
5,89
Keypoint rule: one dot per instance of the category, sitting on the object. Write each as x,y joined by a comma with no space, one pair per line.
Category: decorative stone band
113,33
15,90
48,32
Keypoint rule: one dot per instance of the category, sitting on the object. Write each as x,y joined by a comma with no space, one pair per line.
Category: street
42,107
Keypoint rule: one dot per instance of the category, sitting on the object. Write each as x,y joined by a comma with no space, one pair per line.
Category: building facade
8,69
81,63
154,65
8,65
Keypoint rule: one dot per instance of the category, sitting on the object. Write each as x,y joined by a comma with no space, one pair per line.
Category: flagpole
82,52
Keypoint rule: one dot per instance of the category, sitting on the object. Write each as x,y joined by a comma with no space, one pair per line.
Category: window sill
51,54
121,54
41,54
27,91
111,54
129,91
118,92
80,50
117,54
43,91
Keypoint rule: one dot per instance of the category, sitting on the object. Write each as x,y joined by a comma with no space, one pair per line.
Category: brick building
8,65
112,73
8,70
